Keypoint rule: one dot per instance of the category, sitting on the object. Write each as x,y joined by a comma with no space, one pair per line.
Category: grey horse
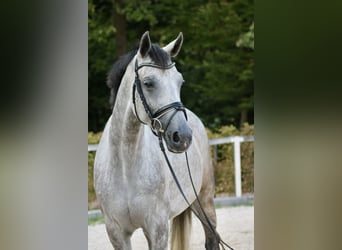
133,184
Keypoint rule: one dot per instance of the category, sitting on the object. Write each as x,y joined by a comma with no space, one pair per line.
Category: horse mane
157,54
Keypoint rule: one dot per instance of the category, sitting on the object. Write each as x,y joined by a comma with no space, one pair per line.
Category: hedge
224,167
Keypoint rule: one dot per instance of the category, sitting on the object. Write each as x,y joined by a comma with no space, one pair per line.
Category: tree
101,50
220,73
215,60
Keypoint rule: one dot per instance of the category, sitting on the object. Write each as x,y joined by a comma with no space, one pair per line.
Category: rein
209,224
158,130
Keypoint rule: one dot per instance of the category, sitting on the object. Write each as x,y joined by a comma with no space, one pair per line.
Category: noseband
156,124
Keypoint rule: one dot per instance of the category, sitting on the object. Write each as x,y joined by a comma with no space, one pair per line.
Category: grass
95,221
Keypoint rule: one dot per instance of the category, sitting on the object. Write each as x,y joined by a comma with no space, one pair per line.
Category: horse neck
125,127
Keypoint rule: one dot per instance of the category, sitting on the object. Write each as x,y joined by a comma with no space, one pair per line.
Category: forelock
159,56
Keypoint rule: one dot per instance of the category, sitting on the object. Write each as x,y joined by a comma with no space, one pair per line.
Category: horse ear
174,47
145,44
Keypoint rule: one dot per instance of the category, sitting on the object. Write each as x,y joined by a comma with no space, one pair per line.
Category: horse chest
140,189
145,177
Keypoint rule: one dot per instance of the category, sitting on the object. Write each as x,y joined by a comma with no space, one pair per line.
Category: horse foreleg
206,199
120,239
156,231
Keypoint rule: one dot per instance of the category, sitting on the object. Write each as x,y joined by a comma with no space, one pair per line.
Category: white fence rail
236,140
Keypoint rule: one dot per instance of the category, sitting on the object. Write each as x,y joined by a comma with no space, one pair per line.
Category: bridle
158,130
156,124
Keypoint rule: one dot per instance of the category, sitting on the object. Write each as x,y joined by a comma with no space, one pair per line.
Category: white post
237,166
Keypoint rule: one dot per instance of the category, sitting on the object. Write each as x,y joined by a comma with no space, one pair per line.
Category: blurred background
216,61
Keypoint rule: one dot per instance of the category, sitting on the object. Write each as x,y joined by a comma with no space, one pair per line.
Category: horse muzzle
178,140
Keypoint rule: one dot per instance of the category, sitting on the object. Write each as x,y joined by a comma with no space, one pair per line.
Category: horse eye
149,84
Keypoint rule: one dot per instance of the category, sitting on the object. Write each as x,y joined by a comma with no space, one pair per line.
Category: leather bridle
156,124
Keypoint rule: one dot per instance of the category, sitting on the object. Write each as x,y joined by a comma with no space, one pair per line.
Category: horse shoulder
103,160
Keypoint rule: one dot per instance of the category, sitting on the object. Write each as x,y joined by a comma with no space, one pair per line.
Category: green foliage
247,39
220,74
91,191
93,138
216,59
101,47
96,221
100,39
139,10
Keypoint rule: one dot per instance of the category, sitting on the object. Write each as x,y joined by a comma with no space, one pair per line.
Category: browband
153,65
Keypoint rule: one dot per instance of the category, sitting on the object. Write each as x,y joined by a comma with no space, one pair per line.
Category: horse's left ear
174,47
145,44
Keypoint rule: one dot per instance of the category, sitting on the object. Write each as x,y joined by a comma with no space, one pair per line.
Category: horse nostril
175,137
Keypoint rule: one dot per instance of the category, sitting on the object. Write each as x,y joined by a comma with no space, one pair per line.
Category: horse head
157,99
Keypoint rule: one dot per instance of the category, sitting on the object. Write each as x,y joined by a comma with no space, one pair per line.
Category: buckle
156,126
